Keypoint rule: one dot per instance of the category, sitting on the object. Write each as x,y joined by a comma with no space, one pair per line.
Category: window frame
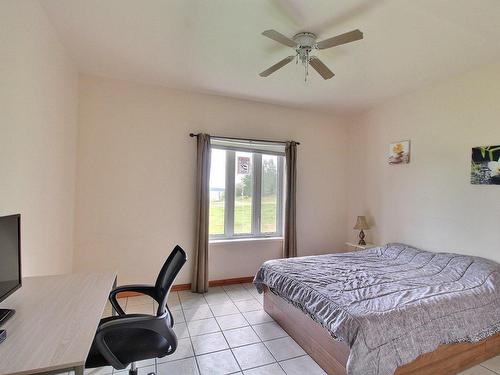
229,195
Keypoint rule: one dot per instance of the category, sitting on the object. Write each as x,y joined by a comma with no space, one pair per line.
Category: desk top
55,322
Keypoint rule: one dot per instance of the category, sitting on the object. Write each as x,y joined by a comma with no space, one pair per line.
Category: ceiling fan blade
321,68
276,66
338,40
280,38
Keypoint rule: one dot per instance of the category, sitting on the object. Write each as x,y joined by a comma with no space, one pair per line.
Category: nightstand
353,246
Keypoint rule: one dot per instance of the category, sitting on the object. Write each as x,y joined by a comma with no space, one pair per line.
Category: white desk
54,324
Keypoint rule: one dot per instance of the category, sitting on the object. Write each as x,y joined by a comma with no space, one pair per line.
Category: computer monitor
10,260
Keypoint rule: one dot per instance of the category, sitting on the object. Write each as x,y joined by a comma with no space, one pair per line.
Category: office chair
125,339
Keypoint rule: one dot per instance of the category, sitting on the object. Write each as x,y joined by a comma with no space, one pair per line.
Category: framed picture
399,152
485,165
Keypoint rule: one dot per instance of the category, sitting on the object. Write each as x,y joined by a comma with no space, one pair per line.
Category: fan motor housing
305,44
305,40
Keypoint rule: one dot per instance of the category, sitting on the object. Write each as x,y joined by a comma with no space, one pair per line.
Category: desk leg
79,370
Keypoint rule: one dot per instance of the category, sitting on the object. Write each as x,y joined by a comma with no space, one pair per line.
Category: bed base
332,355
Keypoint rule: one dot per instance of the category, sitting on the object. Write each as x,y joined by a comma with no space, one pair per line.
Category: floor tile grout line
231,349
487,368
189,336
227,342
279,364
261,341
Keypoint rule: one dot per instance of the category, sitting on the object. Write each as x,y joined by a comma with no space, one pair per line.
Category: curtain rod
243,139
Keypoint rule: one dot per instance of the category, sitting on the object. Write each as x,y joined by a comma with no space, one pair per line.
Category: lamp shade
361,223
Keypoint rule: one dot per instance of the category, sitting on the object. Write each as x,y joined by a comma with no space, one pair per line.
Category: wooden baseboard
236,280
180,287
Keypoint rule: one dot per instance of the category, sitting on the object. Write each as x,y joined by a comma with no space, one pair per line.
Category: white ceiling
215,46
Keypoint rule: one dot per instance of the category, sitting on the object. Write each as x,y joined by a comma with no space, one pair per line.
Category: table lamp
361,225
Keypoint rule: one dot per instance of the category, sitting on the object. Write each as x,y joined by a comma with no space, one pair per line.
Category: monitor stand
5,314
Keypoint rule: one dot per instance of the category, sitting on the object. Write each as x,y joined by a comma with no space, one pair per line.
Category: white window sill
248,239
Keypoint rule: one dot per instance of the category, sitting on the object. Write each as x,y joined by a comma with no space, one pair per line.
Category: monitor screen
10,255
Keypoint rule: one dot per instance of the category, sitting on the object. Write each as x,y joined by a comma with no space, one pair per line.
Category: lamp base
361,238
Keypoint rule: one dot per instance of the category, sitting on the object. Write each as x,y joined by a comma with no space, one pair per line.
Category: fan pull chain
306,66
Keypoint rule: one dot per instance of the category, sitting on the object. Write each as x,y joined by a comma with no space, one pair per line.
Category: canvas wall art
485,166
399,152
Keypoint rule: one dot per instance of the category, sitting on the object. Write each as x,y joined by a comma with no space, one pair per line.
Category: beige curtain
290,238
199,283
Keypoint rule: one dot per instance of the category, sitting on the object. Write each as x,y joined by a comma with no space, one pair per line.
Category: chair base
133,369
135,372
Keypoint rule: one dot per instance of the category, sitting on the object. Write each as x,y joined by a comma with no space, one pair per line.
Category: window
217,192
246,191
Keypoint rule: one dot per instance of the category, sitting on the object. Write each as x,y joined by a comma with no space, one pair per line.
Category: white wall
136,164
430,202
38,119
136,172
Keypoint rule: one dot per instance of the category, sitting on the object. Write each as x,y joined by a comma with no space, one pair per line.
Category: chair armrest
158,325
148,290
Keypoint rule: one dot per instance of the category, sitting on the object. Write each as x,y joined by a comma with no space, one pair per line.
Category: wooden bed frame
332,355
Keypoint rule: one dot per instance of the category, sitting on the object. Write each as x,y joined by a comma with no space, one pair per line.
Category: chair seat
125,339
129,345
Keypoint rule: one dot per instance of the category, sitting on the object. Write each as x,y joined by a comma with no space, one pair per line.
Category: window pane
269,199
243,189
217,191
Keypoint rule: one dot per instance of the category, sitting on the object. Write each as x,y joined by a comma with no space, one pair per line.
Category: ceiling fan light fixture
304,43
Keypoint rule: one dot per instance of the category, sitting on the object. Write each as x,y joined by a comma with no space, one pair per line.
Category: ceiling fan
304,43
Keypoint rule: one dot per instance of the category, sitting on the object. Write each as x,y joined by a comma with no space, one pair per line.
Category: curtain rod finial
192,135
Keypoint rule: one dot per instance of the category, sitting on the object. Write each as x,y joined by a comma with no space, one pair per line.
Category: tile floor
226,331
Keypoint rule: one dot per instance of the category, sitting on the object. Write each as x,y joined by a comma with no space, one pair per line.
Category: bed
391,309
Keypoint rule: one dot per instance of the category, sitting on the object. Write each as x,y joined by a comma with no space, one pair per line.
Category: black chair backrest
167,275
